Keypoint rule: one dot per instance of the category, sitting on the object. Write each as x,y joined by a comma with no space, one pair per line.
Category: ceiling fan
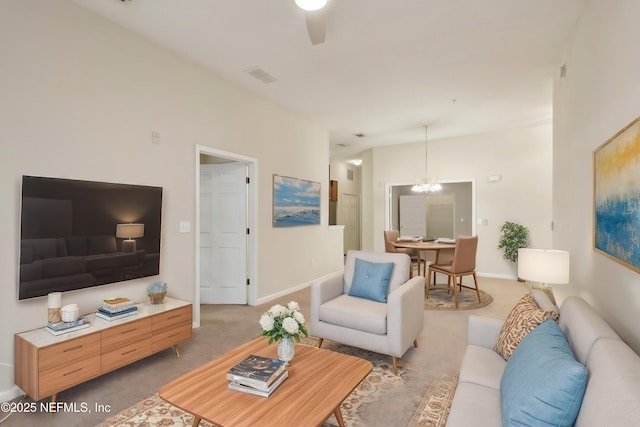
316,17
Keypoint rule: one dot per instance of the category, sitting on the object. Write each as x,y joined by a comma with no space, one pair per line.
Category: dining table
420,245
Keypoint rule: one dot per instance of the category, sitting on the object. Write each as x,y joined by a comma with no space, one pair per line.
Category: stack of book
257,375
65,327
116,308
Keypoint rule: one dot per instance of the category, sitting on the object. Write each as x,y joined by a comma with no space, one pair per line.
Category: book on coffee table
256,371
259,391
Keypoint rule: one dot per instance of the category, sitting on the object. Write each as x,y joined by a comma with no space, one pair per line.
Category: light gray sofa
612,396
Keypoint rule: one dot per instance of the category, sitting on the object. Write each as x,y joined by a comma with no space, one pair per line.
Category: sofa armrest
322,290
405,315
483,331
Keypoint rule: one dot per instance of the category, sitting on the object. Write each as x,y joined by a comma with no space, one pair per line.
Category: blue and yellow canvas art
617,197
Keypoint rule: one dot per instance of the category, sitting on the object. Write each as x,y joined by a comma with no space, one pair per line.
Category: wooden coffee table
319,380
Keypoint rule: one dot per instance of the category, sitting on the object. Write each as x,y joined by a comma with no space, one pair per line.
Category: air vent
261,75
341,145
359,135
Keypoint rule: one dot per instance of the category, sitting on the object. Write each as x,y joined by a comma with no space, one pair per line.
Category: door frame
388,187
252,203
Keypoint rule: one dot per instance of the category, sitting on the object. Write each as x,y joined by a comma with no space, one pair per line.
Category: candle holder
53,311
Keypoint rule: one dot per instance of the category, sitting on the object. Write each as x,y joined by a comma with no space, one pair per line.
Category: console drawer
65,353
124,335
125,355
54,380
172,318
173,336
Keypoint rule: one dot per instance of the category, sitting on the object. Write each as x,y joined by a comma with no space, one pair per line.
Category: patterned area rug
382,398
434,408
441,299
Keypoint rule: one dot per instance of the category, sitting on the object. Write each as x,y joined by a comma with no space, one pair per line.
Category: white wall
599,96
80,98
522,157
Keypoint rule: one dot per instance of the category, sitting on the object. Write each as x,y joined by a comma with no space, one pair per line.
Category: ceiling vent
261,75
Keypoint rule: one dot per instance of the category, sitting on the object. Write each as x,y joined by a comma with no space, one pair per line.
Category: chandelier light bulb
311,5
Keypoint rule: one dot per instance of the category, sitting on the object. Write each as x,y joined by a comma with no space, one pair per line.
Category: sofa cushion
522,319
64,266
482,366
583,327
371,280
542,384
355,313
614,384
474,405
102,245
77,245
544,302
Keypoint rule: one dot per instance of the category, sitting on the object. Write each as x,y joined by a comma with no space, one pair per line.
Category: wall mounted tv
77,234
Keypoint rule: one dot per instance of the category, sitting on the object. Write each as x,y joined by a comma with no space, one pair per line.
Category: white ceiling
387,67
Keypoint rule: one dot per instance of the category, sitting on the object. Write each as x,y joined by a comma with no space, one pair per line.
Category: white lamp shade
311,5
549,266
129,231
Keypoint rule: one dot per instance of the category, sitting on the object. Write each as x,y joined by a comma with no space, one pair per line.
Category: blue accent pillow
371,280
542,384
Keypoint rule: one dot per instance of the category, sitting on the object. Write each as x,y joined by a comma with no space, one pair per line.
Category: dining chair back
391,236
463,264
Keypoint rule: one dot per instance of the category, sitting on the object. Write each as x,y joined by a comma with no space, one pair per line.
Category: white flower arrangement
283,322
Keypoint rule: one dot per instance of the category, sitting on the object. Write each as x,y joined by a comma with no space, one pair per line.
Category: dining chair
463,264
391,236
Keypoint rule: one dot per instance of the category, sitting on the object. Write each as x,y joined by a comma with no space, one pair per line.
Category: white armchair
389,327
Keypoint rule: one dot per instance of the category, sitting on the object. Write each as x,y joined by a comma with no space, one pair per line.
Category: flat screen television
78,234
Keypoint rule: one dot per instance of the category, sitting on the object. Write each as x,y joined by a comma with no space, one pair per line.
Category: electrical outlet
185,226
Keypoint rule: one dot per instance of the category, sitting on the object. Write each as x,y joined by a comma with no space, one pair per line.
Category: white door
413,215
350,216
223,233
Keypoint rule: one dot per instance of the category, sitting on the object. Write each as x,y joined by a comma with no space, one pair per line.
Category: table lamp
550,266
129,232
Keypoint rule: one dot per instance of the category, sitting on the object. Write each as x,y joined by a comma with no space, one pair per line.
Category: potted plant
514,237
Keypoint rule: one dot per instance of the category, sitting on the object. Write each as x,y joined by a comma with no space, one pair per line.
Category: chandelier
311,5
426,186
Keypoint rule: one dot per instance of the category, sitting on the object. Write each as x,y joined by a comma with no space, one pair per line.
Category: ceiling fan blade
316,25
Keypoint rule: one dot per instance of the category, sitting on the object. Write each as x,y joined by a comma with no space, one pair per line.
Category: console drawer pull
72,372
174,316
73,348
127,352
128,330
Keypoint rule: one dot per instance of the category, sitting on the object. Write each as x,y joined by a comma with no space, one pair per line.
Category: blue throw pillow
542,384
371,280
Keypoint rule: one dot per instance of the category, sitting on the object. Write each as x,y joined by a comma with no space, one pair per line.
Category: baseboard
287,291
11,393
496,276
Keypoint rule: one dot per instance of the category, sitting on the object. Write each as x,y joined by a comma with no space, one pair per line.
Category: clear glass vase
286,349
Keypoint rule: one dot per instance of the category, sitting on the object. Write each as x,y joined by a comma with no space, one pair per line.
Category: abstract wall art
616,197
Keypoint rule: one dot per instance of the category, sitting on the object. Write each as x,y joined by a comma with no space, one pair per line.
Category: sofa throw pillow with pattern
524,317
371,280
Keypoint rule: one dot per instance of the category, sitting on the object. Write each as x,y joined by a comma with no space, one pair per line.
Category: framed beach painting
616,197
295,202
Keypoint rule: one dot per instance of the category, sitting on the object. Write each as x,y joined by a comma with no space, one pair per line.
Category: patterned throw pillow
524,317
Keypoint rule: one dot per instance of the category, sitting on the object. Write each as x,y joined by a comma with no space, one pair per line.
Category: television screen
77,234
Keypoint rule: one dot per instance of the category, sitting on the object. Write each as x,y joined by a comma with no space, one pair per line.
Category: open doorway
225,227
450,212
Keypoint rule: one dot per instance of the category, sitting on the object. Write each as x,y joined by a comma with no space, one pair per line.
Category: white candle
55,299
